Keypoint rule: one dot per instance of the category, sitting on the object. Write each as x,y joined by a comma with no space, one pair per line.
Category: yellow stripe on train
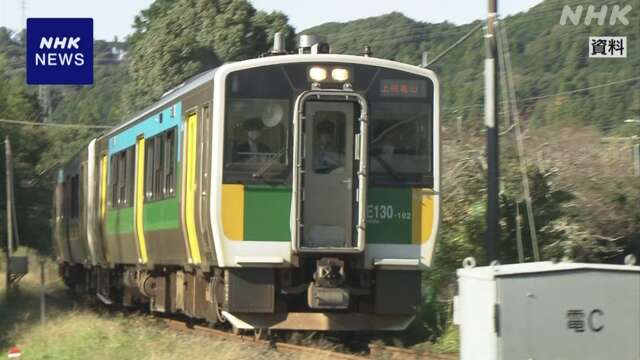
139,202
422,209
233,211
190,188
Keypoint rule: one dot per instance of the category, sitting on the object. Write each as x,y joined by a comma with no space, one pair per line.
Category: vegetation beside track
80,330
74,331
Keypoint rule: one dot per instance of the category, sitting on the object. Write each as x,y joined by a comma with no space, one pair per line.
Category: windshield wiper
388,168
268,165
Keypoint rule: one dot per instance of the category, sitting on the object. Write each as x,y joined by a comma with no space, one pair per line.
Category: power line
533,98
33,123
455,44
582,89
612,93
512,99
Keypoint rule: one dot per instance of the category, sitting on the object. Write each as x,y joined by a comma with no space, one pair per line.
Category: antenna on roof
367,51
279,45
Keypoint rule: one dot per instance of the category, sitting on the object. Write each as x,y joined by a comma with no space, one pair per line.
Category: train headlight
340,74
317,73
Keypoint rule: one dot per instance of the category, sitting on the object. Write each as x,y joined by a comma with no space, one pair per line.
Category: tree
176,40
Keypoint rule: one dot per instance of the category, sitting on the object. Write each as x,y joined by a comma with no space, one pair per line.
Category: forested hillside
548,58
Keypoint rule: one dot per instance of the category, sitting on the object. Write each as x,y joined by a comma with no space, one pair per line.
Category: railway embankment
76,330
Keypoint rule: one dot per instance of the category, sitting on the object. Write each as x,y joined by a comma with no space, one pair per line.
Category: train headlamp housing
340,74
317,73
328,74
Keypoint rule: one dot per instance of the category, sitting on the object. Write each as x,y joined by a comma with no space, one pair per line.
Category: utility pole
491,123
17,266
9,216
44,96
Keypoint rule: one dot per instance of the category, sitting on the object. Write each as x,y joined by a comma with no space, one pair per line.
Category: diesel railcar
297,191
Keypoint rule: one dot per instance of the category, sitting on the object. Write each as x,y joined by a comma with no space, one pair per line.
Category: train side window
113,200
158,160
130,176
122,176
75,197
170,161
160,163
148,173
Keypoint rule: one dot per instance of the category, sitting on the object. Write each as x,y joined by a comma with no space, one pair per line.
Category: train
293,191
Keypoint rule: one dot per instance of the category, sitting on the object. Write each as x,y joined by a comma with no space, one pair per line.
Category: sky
114,17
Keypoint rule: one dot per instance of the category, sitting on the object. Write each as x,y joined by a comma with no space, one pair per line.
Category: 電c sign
59,51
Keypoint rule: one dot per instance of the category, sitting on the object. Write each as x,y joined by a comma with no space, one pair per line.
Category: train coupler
327,292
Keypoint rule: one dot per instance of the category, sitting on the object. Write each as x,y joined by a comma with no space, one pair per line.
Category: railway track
370,351
375,352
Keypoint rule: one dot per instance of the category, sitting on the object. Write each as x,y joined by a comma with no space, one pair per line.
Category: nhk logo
62,59
59,51
618,14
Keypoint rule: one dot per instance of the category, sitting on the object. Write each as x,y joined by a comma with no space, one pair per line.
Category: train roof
209,75
169,96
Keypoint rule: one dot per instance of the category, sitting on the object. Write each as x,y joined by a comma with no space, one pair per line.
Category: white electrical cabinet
549,311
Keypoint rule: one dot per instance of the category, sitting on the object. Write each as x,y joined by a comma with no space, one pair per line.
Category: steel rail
375,351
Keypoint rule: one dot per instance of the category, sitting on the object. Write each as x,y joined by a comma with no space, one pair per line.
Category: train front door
328,175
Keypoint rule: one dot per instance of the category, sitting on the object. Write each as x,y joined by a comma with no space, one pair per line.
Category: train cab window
258,130
401,130
257,126
400,144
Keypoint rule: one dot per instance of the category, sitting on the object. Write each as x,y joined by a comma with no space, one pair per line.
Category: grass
74,331
449,342
86,335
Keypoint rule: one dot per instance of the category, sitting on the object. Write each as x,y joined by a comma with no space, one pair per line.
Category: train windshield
259,112
257,125
400,151
401,129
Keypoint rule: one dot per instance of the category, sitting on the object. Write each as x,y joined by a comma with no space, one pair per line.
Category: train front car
325,191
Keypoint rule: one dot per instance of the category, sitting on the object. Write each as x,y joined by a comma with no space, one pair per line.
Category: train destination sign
403,88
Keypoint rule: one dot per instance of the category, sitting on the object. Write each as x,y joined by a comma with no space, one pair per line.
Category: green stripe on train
266,213
162,215
157,215
389,216
120,221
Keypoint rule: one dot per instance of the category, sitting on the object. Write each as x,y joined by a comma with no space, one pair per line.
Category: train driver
252,150
326,158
